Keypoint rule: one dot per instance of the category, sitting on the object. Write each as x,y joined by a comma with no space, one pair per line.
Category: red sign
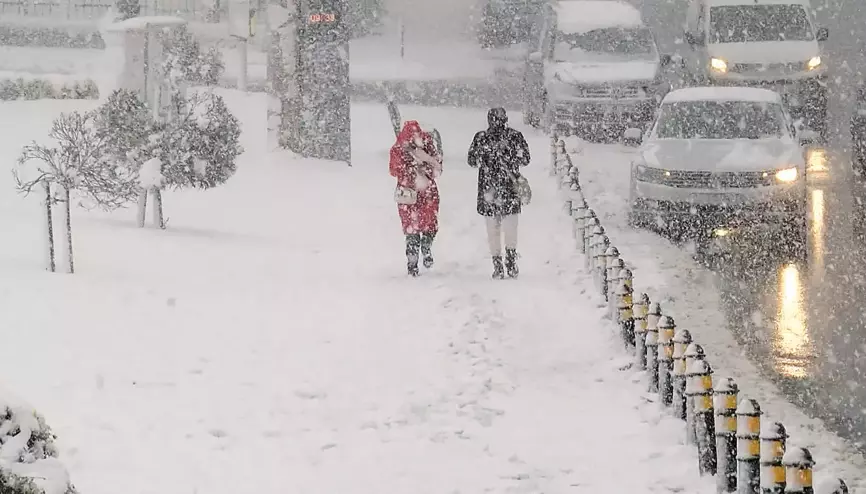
324,17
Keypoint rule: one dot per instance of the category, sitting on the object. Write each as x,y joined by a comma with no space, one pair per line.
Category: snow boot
498,269
427,249
511,263
413,243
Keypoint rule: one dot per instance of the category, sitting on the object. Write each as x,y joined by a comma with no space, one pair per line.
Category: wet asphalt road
804,323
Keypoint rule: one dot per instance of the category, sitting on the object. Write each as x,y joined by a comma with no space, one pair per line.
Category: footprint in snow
218,433
310,395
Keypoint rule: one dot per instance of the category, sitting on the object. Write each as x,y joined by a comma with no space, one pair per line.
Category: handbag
405,195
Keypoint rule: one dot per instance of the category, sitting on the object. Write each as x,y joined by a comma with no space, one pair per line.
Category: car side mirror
823,34
632,137
665,60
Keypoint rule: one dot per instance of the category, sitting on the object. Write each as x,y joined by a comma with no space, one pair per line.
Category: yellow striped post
682,339
773,441
625,277
700,391
798,471
625,312
693,352
608,269
641,309
652,345
614,265
666,354
748,447
726,434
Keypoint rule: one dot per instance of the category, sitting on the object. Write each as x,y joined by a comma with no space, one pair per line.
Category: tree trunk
49,227
142,208
158,219
65,222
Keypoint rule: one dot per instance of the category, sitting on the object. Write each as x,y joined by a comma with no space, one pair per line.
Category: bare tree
77,162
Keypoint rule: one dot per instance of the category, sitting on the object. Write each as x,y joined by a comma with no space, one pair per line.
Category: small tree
128,9
77,162
184,53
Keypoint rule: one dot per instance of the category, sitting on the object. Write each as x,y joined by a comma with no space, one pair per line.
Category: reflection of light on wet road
816,160
817,229
791,340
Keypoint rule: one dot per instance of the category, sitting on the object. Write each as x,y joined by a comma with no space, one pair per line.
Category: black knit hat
497,118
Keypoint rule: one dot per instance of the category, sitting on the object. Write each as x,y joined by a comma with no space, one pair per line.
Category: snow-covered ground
687,291
269,340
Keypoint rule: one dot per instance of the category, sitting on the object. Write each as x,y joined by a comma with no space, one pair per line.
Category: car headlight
718,65
813,63
787,175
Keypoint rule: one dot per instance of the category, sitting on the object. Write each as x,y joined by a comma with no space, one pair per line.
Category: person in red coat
416,164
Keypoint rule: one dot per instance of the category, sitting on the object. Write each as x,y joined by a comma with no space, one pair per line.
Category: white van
593,65
771,44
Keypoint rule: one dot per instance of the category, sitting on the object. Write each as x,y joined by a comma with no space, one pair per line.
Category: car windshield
745,23
719,120
605,43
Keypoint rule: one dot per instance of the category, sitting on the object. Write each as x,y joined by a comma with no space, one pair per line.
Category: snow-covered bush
125,125
29,461
184,54
36,88
75,163
127,9
72,36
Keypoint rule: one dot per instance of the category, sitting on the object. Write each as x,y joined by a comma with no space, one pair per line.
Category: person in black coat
498,153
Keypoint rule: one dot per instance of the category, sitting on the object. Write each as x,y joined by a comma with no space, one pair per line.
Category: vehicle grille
707,180
789,67
609,92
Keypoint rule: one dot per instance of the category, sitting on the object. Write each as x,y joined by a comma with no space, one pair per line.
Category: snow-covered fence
15,87
731,443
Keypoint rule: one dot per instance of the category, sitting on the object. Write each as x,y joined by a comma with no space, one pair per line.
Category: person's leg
509,227
427,248
494,241
413,243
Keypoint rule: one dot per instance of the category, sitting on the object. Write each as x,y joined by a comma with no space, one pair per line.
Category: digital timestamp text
322,18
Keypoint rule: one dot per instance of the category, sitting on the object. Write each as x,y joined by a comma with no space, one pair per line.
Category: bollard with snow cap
682,339
625,310
594,243
609,269
666,329
693,352
773,442
573,196
600,261
798,471
652,343
836,486
624,276
748,447
726,434
579,218
641,310
590,223
700,391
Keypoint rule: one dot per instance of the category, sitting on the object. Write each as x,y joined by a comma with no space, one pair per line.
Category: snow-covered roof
723,94
141,23
715,3
581,16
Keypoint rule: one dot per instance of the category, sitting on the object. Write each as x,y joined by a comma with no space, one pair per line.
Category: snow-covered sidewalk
269,340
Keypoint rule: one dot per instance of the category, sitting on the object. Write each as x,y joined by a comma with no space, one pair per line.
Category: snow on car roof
581,16
723,94
717,3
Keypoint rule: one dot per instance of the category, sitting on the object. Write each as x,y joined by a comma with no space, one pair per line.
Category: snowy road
269,340
803,323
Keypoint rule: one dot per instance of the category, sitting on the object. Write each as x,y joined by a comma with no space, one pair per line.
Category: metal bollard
652,345
565,184
700,391
625,276
666,352
615,265
773,439
641,310
595,241
798,471
625,310
748,447
837,486
682,339
601,262
607,270
726,435
578,216
591,223
573,171
693,352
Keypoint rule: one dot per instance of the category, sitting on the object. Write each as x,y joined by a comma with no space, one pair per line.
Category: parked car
771,44
719,156
507,22
594,67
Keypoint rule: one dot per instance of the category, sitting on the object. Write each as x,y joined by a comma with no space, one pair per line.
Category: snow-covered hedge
72,36
32,88
28,455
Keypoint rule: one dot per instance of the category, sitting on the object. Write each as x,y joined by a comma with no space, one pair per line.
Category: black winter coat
498,154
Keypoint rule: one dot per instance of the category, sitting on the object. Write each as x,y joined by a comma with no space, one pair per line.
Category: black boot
427,248
413,243
511,263
498,270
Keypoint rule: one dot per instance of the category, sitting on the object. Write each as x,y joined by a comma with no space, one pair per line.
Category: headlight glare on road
787,175
813,63
718,65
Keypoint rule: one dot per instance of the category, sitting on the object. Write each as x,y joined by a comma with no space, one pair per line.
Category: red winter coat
423,216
